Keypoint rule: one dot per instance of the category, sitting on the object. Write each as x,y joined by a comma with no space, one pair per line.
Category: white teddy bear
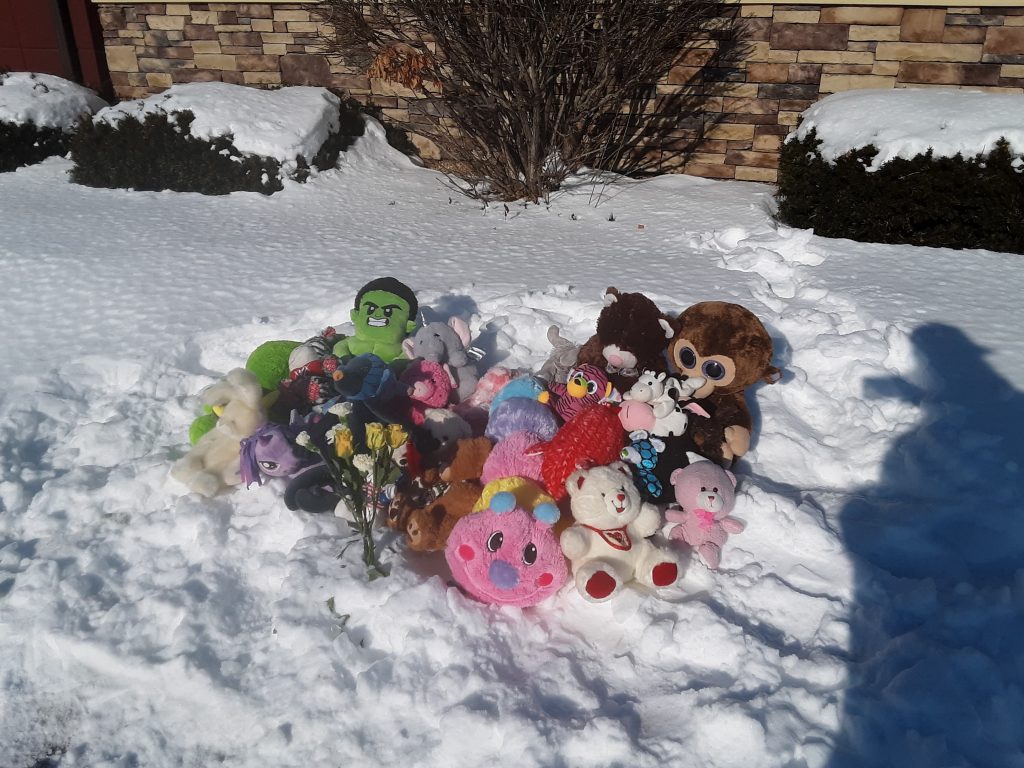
608,543
212,465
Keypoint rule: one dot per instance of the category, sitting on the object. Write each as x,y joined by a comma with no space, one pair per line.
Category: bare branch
523,93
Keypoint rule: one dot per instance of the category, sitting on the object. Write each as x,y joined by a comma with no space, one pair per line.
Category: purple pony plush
271,451
518,414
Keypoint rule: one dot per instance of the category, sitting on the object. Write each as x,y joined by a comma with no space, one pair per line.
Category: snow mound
45,100
281,124
908,122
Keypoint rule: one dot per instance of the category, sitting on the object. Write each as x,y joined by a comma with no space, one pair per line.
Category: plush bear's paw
597,584
712,554
664,574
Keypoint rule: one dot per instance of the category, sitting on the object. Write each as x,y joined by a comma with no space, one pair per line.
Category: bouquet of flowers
360,478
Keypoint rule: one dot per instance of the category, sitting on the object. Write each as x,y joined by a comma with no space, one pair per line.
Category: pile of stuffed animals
591,468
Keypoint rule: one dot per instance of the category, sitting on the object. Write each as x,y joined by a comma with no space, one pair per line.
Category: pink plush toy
706,493
475,407
506,555
430,386
515,456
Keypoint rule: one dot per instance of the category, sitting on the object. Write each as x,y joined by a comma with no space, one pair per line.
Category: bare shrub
519,94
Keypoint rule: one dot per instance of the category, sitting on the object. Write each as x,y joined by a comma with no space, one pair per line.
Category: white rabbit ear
409,347
609,299
695,457
451,376
667,327
461,328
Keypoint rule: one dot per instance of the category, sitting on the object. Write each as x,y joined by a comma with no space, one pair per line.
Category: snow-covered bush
938,168
37,112
214,138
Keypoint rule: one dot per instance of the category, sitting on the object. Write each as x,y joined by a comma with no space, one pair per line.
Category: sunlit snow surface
868,615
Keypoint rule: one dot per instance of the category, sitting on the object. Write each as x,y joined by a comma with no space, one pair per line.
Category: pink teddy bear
430,386
506,555
706,493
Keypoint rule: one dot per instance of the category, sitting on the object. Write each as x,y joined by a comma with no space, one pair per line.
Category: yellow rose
396,436
343,445
374,436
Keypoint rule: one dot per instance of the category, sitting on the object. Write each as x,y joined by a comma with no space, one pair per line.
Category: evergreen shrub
953,202
28,143
157,152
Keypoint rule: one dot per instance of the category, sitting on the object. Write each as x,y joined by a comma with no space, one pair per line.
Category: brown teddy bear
631,337
727,346
428,526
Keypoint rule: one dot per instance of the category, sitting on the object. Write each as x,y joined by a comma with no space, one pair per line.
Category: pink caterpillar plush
517,455
506,555
706,493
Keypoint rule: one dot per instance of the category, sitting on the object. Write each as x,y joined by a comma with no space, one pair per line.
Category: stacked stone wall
798,53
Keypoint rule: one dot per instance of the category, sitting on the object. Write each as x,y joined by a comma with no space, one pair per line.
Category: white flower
363,462
302,439
341,410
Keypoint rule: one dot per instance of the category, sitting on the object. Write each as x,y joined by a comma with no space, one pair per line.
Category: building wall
798,53
803,52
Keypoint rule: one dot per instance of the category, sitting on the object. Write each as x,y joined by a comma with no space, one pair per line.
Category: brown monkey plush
631,337
726,345
428,526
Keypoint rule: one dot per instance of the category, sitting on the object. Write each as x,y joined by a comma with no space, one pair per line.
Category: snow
45,100
905,122
282,123
868,615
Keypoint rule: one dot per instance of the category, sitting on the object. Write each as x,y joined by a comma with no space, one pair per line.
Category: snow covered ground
870,614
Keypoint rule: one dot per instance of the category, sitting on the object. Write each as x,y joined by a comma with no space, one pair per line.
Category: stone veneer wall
798,53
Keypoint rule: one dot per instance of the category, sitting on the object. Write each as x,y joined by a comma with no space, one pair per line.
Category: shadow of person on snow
936,673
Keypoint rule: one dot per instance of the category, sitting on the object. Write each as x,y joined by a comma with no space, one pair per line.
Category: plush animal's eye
370,307
437,335
591,387
269,464
713,370
687,357
714,489
702,489
530,554
388,311
494,541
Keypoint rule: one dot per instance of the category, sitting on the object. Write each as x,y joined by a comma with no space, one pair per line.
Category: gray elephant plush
445,343
562,359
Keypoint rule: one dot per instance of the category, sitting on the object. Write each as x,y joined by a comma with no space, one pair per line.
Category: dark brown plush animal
631,337
428,526
729,347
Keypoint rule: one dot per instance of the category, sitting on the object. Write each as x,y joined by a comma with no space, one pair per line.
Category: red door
59,37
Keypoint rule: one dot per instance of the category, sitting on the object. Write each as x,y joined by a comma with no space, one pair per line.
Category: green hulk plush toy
384,314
